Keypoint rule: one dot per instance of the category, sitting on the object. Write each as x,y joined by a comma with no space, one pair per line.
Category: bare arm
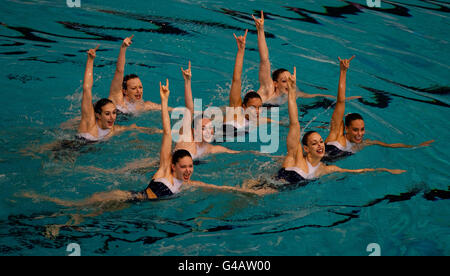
304,95
229,188
166,146
396,145
87,109
338,113
188,101
236,83
333,169
293,139
265,77
221,149
115,91
148,130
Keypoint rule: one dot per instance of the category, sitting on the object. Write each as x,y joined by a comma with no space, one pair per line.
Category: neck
314,161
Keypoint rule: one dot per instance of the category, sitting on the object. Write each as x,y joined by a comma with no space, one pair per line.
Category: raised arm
396,145
188,100
115,91
87,109
293,139
265,77
236,83
166,146
336,129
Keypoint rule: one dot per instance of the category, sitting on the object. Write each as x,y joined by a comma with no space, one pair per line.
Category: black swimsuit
333,154
160,189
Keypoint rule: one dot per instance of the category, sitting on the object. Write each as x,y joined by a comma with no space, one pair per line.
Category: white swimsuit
307,176
128,108
201,151
350,147
175,188
102,134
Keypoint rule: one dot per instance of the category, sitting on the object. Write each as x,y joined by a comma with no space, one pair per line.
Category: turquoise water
401,70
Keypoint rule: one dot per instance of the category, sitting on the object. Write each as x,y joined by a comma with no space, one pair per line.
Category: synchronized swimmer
98,121
302,162
127,92
347,137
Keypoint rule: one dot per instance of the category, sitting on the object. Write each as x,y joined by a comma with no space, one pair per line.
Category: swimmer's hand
292,81
391,171
345,63
259,22
92,52
426,144
353,98
127,42
164,91
187,74
241,41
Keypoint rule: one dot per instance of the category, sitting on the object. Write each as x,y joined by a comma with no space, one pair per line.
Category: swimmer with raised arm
274,86
202,127
175,171
126,92
248,109
347,137
98,121
303,159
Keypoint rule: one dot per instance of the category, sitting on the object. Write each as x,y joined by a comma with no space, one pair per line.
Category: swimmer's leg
95,199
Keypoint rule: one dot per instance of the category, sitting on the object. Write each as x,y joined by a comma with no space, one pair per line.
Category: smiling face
315,146
281,83
134,90
107,117
207,130
183,169
355,131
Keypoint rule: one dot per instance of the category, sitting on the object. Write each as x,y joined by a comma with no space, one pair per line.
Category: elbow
87,87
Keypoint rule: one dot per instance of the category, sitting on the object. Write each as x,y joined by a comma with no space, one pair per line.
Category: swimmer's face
253,108
316,146
134,90
184,168
207,130
107,117
281,84
355,132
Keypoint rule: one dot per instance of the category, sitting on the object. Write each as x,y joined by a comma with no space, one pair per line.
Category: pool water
401,71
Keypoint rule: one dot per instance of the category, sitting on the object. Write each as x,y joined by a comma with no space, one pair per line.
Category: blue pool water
401,71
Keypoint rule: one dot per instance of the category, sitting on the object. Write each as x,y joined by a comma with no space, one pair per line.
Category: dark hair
127,78
352,117
306,136
277,73
100,103
178,154
251,95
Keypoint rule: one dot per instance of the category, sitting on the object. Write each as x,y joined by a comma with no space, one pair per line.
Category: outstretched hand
187,74
259,22
241,40
426,144
345,63
164,91
127,41
92,52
